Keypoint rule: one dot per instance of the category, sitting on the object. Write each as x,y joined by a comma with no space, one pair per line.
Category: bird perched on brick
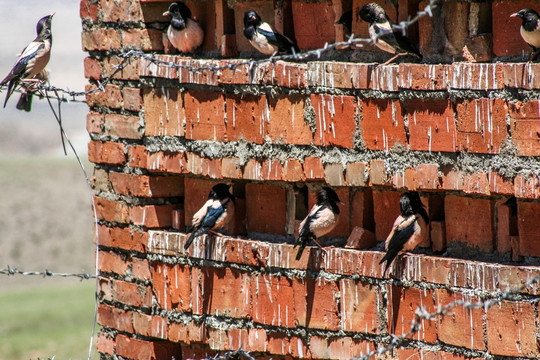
263,38
184,33
384,36
346,21
214,214
31,62
322,219
530,30
409,229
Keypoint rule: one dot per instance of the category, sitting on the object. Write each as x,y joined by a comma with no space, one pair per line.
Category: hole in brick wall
436,207
301,209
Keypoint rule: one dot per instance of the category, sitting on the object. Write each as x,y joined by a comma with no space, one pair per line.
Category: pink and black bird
184,33
384,36
530,30
265,39
409,229
322,219
30,64
214,214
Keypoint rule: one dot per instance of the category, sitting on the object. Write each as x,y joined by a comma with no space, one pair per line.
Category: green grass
43,322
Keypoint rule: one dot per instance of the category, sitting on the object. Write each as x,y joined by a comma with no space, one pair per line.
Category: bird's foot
390,60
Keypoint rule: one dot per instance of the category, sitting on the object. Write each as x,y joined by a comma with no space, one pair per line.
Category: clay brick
506,37
211,168
152,216
92,68
112,211
477,76
315,304
123,238
123,126
256,340
431,126
193,163
476,183
151,326
424,77
114,318
114,11
111,262
131,348
264,202
172,287
106,153
464,327
385,210
105,344
333,174
100,181
361,238
357,173
88,10
268,170
510,330
293,170
313,24
272,300
452,179
140,269
132,98
218,297
130,70
481,125
362,209
205,114
479,48
500,185
319,348
147,186
278,344
527,187
287,123
458,211
313,168
101,39
385,78
111,97
438,235
248,117
105,289
521,75
94,122
382,123
142,39
359,310
524,126
339,74
132,294
253,170
402,304
503,227
427,177
166,162
230,168
529,233
377,172
336,120
178,332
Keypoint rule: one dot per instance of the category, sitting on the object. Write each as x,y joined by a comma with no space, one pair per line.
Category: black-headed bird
32,60
184,33
530,29
384,36
409,229
322,219
346,21
263,38
214,214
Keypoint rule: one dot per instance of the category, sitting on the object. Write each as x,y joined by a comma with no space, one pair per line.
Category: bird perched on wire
530,30
384,36
322,219
184,33
409,229
263,38
214,214
25,100
32,61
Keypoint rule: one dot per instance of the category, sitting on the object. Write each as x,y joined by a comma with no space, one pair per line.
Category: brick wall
465,135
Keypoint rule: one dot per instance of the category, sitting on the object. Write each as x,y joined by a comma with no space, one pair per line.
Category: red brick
313,168
362,209
431,125
361,238
130,70
481,125
288,124
511,330
166,162
140,269
123,126
479,48
269,170
477,76
521,75
111,97
377,173
146,350
525,127
196,194
211,168
357,173
385,210
359,310
527,187
500,185
339,74
424,77
458,212
226,293
264,202
272,300
333,174
205,116
133,294
147,186
150,325
253,170
406,179
506,37
196,352
336,120
143,39
476,183
92,68
293,170
88,10
385,78
452,179
113,11
152,216
382,123
132,98
101,39
112,211
529,233
124,238
315,304
105,291
94,122
438,235
278,343
105,344
114,318
111,262
248,117
106,153
313,24
464,327
256,340
427,177
230,168
178,333
319,347
402,304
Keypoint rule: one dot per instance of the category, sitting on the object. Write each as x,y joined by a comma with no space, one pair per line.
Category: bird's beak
514,15
54,13
167,13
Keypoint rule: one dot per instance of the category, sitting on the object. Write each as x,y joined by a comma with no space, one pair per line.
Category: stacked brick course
465,135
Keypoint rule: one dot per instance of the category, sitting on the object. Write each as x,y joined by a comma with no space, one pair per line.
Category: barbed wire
10,271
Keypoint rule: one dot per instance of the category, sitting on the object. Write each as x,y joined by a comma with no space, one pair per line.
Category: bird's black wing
306,235
398,239
282,42
405,44
207,223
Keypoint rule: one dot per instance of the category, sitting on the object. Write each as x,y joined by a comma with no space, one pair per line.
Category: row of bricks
429,176
344,305
356,76
313,24
495,227
475,126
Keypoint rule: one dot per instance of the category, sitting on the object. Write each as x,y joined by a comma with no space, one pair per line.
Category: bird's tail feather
10,90
25,101
196,233
300,251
